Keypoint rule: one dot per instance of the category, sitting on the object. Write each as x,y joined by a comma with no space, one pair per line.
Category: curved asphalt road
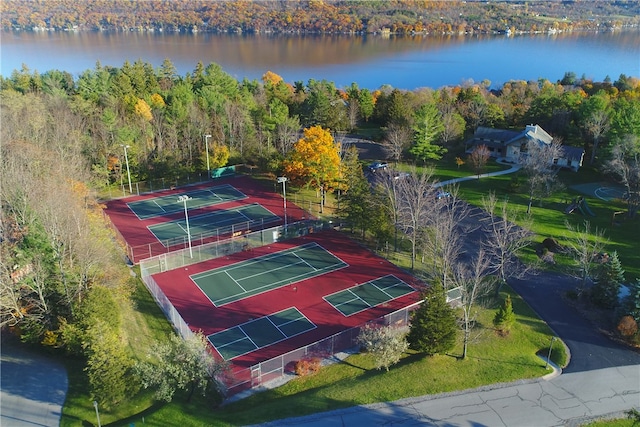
32,388
590,349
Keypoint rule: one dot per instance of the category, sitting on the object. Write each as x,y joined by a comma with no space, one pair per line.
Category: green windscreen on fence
223,172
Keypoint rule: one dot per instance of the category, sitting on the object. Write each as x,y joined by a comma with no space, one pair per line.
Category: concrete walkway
566,400
512,169
32,388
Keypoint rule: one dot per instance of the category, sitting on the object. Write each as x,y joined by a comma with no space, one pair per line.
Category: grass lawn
491,359
549,219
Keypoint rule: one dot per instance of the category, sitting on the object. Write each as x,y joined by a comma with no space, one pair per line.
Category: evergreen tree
608,282
428,128
433,325
505,317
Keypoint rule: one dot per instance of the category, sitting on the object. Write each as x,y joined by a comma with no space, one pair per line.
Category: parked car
373,167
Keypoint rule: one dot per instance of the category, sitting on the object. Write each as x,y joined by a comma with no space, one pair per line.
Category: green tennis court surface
247,278
370,294
163,205
168,233
259,333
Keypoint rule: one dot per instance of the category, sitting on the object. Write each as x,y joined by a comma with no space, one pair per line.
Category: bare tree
625,165
396,140
441,237
415,193
597,125
479,158
505,240
586,247
453,124
387,190
474,282
539,164
287,134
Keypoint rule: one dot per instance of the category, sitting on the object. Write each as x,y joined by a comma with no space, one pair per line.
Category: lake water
370,61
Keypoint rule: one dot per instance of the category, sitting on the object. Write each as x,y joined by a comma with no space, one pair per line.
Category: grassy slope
491,360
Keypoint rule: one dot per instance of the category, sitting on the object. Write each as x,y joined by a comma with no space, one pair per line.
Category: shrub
307,366
385,343
627,326
505,317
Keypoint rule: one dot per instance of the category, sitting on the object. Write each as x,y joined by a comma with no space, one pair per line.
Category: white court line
277,327
305,261
268,271
163,209
243,264
233,342
241,287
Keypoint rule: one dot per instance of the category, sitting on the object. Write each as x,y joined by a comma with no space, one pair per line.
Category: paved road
32,389
566,400
590,349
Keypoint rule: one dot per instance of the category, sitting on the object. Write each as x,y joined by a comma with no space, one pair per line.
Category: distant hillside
317,16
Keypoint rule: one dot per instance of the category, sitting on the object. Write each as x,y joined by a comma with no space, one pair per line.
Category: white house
508,144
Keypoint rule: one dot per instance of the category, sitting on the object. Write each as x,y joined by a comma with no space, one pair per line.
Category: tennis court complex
370,294
259,333
164,205
172,232
247,278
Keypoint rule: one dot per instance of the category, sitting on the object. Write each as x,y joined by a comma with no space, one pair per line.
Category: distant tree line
317,16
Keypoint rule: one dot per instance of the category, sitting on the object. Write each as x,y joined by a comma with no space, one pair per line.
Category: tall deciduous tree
479,158
624,164
396,140
538,163
474,283
433,325
586,247
505,240
315,160
414,194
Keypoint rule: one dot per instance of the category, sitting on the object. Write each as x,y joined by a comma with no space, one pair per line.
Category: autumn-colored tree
315,160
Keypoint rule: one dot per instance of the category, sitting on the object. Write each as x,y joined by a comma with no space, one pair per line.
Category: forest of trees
317,16
63,138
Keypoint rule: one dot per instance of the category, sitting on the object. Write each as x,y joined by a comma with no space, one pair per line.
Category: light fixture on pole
549,355
283,180
126,159
95,405
184,199
206,147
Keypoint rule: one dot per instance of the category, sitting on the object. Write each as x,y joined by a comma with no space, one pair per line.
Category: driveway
32,388
590,349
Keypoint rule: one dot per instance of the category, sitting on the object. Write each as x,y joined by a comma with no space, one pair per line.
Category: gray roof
573,154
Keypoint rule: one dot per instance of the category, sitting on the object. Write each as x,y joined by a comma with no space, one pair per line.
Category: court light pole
283,180
184,199
95,405
126,159
206,147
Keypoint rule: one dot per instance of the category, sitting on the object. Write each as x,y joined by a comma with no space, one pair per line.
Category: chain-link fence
284,364
195,254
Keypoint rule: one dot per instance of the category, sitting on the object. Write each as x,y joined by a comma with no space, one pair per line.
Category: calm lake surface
370,61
